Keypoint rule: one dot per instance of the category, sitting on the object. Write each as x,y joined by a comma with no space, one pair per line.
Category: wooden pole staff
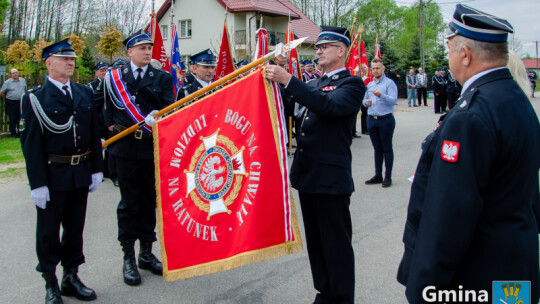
213,85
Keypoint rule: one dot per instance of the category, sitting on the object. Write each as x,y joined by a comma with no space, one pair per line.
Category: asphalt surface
378,217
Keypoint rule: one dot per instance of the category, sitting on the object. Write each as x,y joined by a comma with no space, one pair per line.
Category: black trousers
363,119
381,132
137,208
67,208
328,227
13,111
421,92
440,102
452,98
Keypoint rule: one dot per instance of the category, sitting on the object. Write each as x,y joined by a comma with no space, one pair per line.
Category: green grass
12,172
10,151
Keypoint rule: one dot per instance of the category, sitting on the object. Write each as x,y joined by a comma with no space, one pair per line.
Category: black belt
381,117
139,134
69,159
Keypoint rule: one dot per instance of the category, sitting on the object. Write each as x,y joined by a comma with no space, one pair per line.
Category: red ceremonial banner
224,199
225,60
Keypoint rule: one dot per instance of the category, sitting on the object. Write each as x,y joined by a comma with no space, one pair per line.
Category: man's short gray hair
484,51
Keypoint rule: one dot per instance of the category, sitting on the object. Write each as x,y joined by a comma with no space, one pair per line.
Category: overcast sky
522,14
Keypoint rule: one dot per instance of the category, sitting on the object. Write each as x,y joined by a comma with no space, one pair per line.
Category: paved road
378,221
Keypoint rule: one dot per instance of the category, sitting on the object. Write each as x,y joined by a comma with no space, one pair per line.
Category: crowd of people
476,181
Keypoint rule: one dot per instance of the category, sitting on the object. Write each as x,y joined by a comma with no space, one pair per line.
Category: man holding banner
321,171
135,91
204,68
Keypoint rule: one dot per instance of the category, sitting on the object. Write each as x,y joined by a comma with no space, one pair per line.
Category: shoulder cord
115,101
439,81
44,120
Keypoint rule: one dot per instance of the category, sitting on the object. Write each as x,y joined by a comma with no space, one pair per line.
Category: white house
200,25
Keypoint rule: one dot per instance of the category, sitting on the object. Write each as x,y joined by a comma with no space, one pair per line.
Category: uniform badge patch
328,88
450,151
22,125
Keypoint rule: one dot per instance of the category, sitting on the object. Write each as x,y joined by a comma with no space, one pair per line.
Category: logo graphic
216,168
450,151
516,292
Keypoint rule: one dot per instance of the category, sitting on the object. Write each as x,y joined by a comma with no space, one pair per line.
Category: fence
31,81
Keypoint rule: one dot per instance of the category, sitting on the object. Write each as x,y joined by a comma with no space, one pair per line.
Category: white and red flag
262,43
224,199
293,66
225,63
365,72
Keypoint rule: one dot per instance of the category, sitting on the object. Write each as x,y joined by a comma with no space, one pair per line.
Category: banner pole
202,91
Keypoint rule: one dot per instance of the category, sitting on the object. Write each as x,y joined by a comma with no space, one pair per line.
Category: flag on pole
377,47
364,67
262,43
176,61
293,65
158,51
224,199
225,61
353,64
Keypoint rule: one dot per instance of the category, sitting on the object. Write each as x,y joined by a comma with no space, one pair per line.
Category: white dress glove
149,120
97,178
40,196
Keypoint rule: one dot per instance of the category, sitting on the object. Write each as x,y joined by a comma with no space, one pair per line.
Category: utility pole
422,58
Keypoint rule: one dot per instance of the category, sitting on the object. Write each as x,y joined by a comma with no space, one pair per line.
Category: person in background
439,90
453,90
410,80
393,75
11,91
203,66
421,86
380,99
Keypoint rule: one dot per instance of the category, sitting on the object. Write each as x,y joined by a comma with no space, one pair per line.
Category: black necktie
65,88
139,77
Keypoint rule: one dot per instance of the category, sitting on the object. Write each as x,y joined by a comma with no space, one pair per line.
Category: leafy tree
110,43
37,49
17,52
412,57
86,59
77,42
440,57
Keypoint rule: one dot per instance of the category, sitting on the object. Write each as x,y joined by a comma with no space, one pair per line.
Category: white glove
97,178
150,119
40,196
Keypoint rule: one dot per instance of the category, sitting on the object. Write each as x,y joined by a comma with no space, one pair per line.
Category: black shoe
115,182
149,261
374,180
53,295
130,271
73,287
387,182
356,135
365,132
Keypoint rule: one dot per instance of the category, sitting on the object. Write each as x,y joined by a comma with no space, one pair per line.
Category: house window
184,27
165,32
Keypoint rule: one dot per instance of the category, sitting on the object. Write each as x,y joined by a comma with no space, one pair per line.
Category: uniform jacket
439,84
471,221
97,88
322,162
189,79
38,142
191,88
453,86
154,92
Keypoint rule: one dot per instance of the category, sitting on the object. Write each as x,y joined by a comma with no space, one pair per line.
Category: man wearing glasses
321,170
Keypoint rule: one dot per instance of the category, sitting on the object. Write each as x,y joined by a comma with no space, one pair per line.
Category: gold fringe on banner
241,259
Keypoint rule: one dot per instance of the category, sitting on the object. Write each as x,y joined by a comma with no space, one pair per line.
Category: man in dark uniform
62,148
204,68
309,73
321,170
148,90
453,90
439,90
532,79
393,75
471,217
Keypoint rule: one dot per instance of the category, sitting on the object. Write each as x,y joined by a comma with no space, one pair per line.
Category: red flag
158,51
377,47
262,43
225,61
364,67
294,64
353,64
223,193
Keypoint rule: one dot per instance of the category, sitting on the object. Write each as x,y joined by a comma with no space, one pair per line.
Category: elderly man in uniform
472,216
321,170
62,148
204,68
148,90
12,90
